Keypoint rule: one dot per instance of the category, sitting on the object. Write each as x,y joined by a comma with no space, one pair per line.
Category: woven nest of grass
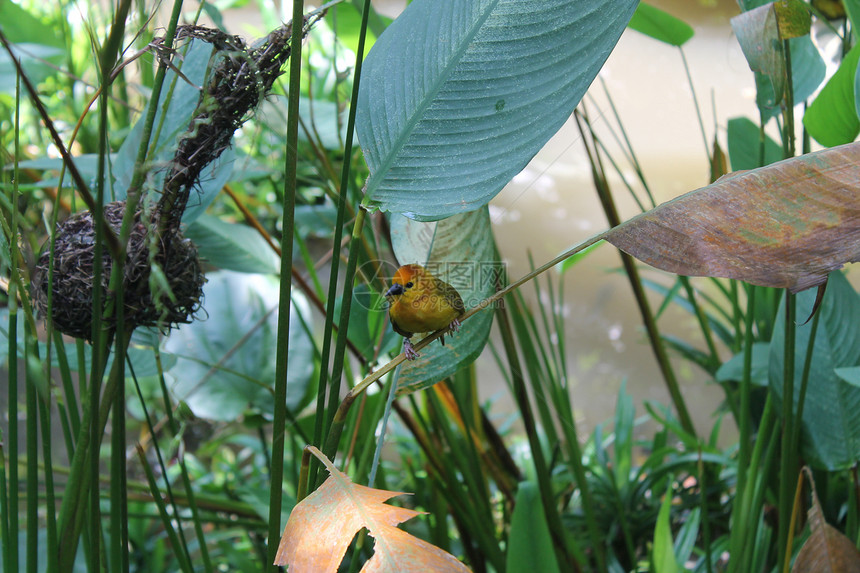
240,78
72,304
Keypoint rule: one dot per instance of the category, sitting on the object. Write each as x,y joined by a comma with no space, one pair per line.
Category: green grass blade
289,211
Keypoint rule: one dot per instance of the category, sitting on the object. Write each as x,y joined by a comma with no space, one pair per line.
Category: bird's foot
454,326
409,350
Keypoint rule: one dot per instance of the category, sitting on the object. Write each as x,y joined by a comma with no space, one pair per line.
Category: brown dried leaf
323,524
786,225
826,550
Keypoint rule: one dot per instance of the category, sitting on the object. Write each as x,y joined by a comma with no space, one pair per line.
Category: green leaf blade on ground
458,95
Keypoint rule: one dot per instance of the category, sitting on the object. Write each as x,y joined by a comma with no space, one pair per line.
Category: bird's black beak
395,289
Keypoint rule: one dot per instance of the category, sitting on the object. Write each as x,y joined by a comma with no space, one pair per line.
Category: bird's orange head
407,277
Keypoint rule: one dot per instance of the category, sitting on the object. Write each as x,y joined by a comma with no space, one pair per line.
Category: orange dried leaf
786,225
323,524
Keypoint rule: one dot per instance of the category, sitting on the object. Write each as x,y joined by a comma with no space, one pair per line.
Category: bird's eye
409,284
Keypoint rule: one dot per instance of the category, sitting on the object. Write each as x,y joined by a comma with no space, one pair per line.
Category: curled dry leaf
323,524
826,550
786,225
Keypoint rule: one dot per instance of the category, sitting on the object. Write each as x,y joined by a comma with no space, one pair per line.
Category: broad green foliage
37,46
232,247
530,545
749,147
225,362
832,117
831,428
660,25
458,95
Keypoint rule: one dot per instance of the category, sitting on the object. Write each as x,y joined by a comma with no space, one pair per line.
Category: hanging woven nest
73,276
240,78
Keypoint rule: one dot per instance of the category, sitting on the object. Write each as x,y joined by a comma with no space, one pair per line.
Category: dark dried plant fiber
73,275
241,77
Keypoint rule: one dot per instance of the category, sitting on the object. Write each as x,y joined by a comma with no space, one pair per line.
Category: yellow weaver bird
419,302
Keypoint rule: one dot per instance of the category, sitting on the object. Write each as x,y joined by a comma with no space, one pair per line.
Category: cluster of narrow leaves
323,524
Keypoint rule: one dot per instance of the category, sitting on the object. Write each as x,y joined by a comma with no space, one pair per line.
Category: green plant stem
744,425
704,326
44,406
31,415
795,510
325,417
747,504
333,437
304,471
10,519
788,108
788,471
804,382
611,212
706,522
282,356
566,559
81,478
628,148
5,537
695,101
181,557
183,546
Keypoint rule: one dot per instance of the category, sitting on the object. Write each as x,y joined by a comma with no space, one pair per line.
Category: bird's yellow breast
423,312
419,302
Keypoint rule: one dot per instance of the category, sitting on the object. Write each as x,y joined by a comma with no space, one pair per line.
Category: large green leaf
732,369
831,428
660,25
226,363
746,146
530,546
36,45
458,95
808,69
832,118
467,261
233,247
